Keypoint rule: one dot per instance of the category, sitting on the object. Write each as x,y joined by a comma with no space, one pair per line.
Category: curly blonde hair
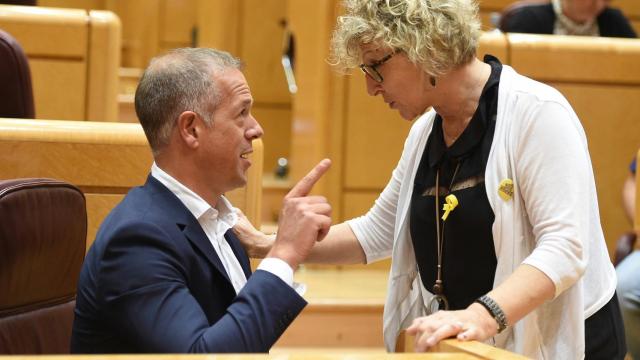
437,35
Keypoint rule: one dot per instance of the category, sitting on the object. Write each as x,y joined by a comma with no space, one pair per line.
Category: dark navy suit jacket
152,282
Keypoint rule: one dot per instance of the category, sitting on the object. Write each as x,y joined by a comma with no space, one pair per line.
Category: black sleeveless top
468,259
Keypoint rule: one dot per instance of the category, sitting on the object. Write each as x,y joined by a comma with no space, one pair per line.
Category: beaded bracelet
494,309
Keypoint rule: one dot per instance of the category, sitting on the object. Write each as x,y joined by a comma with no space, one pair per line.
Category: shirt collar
193,202
566,26
475,130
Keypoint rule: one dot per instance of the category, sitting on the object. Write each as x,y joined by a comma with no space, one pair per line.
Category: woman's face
405,87
583,10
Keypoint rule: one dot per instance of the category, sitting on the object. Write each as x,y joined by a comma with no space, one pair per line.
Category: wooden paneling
495,5
613,133
59,88
98,207
311,104
218,24
74,4
358,203
341,312
276,123
374,138
177,21
140,30
636,25
575,58
494,43
103,62
249,198
630,8
261,48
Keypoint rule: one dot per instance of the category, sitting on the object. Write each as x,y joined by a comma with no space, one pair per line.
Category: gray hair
181,80
437,35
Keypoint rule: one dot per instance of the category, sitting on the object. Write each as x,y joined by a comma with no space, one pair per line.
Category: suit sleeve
145,290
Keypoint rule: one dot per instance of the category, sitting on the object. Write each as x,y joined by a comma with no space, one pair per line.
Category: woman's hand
472,323
256,243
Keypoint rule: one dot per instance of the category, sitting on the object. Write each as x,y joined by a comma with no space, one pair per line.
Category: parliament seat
16,94
74,56
43,226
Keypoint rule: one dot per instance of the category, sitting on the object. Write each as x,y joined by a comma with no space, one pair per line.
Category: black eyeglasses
372,70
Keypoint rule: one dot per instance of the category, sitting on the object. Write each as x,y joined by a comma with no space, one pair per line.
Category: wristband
494,309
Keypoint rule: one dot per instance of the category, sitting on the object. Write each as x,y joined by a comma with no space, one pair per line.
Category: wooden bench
74,56
103,159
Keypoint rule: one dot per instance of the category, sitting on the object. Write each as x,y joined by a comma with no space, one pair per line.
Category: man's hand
303,220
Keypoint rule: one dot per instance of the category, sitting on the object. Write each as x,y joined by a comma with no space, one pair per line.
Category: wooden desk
448,349
345,309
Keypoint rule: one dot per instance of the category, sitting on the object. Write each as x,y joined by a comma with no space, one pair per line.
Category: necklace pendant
437,287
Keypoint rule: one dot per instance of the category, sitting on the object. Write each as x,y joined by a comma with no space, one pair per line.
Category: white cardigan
551,223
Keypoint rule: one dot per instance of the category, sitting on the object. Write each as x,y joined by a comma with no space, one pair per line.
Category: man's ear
187,127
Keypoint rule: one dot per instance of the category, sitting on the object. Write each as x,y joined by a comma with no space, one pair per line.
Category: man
165,273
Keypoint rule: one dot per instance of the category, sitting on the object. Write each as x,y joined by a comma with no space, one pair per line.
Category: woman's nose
373,87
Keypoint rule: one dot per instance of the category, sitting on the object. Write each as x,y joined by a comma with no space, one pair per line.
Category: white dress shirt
216,222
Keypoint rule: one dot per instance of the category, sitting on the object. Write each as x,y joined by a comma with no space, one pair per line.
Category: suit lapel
188,224
239,252
196,235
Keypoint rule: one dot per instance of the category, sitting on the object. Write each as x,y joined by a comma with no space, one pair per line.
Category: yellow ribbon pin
452,202
505,190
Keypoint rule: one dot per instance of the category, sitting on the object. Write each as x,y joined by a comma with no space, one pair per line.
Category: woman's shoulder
521,87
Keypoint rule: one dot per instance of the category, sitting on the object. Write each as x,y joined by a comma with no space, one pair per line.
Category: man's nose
255,131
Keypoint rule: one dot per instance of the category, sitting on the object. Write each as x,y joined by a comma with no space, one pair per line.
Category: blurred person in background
567,17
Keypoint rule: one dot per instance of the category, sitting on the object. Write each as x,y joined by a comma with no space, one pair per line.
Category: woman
521,259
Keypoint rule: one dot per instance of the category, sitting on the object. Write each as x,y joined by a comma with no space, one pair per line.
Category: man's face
226,144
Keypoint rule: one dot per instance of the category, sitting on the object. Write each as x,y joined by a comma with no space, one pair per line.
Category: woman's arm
340,246
522,292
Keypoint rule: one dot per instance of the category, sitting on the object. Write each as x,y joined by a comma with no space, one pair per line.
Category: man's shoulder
142,211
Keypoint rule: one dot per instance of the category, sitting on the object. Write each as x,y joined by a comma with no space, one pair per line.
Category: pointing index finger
304,186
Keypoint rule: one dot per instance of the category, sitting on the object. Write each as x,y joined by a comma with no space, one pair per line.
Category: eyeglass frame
372,70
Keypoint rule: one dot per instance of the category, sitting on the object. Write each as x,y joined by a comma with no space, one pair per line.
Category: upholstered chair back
43,227
16,94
